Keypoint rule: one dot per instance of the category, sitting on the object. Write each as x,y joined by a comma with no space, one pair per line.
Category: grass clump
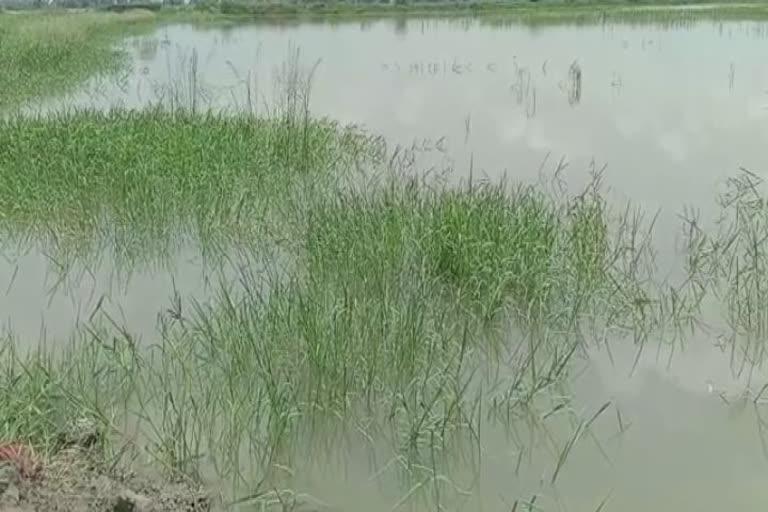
494,246
496,249
44,396
33,405
156,175
47,53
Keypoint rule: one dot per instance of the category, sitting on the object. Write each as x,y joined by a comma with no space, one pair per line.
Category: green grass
401,318
398,317
43,53
367,311
495,249
380,333
158,175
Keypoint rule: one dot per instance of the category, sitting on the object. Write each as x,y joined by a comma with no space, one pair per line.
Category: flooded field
532,278
643,100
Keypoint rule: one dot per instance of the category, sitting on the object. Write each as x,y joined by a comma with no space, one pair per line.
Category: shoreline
532,12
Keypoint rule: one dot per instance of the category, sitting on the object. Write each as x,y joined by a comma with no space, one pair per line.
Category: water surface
681,107
670,111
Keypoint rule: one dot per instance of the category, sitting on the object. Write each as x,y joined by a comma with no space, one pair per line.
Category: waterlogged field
391,265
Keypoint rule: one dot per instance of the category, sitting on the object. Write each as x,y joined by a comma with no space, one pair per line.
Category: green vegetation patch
494,247
368,336
156,174
47,53
376,335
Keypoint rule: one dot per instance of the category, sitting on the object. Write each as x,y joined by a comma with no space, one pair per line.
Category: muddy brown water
670,110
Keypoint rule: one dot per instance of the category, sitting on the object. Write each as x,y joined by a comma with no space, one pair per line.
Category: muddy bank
74,481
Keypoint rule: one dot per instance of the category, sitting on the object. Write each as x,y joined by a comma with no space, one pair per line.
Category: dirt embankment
74,479
73,483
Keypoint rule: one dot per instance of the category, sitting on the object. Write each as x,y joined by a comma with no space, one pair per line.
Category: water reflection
146,48
574,84
46,298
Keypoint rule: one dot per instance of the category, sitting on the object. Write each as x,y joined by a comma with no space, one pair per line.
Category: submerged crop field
80,178
51,53
264,307
378,337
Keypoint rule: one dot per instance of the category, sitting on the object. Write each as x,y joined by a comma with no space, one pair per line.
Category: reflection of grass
49,53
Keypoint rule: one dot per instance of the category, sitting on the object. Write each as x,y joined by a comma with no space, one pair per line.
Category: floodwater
681,107
42,302
662,445
669,110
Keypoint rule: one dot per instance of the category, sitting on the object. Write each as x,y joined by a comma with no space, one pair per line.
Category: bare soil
74,482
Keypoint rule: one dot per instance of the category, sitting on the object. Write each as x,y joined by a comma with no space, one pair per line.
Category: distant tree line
231,4
32,4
